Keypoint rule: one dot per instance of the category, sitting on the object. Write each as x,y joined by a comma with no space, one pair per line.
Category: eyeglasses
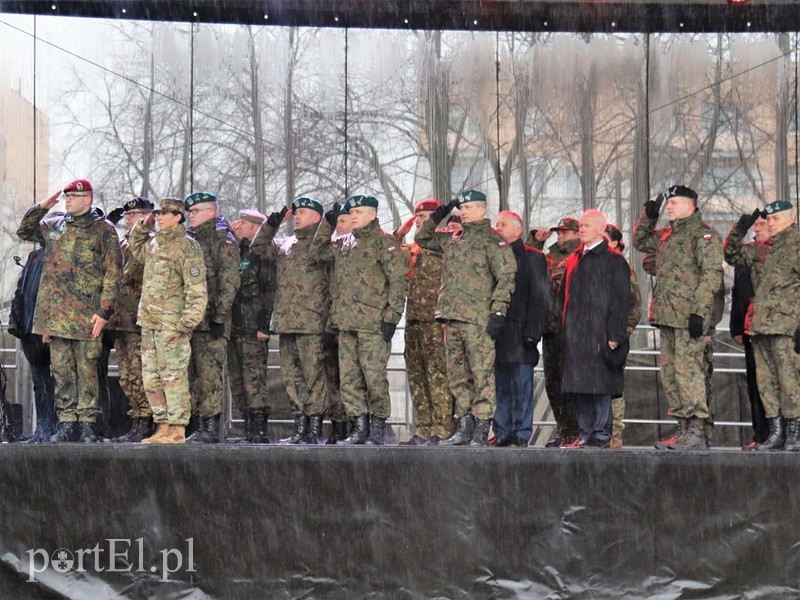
197,211
73,196
158,213
135,212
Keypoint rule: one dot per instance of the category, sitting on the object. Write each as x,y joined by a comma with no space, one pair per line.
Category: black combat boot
377,431
338,432
258,428
126,437
247,433
85,433
314,431
300,430
360,432
792,435
776,437
480,436
207,432
463,434
65,432
693,437
666,443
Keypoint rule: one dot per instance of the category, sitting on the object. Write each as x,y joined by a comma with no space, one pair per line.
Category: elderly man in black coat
515,347
594,297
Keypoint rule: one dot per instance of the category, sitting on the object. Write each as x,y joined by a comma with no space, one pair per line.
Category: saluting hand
50,201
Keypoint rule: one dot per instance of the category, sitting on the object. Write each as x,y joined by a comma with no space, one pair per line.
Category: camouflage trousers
562,406
74,366
426,371
470,368
128,346
205,373
165,366
708,372
335,409
247,373
303,372
683,373
777,375
363,358
617,414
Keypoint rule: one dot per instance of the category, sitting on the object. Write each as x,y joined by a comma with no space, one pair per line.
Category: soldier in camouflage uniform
537,238
774,321
77,294
128,338
688,257
478,272
426,365
248,350
172,304
369,295
563,411
210,338
300,315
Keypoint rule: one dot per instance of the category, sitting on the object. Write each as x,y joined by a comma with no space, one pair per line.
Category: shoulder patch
194,272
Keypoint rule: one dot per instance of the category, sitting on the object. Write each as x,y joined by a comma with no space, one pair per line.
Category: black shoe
338,432
207,433
314,431
377,430
65,432
776,438
480,436
85,433
300,430
521,442
360,432
434,440
463,434
258,428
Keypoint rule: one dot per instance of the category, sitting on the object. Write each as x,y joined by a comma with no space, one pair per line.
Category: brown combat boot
615,442
161,432
693,437
176,434
666,444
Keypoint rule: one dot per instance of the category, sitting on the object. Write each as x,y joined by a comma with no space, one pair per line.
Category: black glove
652,208
217,330
441,212
796,339
276,218
495,326
387,330
332,214
530,343
746,221
695,326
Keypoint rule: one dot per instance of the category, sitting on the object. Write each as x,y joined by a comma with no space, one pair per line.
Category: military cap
426,205
566,224
198,198
171,205
777,206
252,216
361,200
682,191
309,203
138,203
470,196
79,185
613,233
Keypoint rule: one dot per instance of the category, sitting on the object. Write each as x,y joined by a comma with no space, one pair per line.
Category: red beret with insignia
79,185
425,205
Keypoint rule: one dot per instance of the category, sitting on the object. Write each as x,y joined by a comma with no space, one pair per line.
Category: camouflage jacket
478,271
424,281
688,266
302,300
556,255
255,299
221,255
81,274
124,317
775,269
174,293
369,277
635,312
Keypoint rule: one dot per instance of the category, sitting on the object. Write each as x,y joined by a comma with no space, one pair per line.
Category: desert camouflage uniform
478,272
80,278
172,304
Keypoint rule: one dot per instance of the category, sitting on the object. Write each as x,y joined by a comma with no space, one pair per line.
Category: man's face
303,217
200,213
472,211
134,215
246,230
565,235
679,207
761,229
167,219
344,224
362,216
508,228
77,203
591,229
779,221
421,217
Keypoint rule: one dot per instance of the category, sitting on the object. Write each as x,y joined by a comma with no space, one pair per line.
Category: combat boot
360,432
314,431
258,428
176,434
126,437
300,430
65,432
693,437
338,432
248,427
207,432
85,433
792,435
162,430
377,431
480,436
665,444
776,437
463,434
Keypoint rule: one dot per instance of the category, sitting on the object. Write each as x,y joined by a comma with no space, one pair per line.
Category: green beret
777,206
470,196
306,203
361,200
198,198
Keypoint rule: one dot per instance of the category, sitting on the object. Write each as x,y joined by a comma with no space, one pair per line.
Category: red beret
79,185
429,204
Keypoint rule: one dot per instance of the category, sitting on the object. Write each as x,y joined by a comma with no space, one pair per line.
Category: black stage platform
336,522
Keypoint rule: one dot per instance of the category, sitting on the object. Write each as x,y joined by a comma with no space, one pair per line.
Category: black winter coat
20,320
594,299
527,311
